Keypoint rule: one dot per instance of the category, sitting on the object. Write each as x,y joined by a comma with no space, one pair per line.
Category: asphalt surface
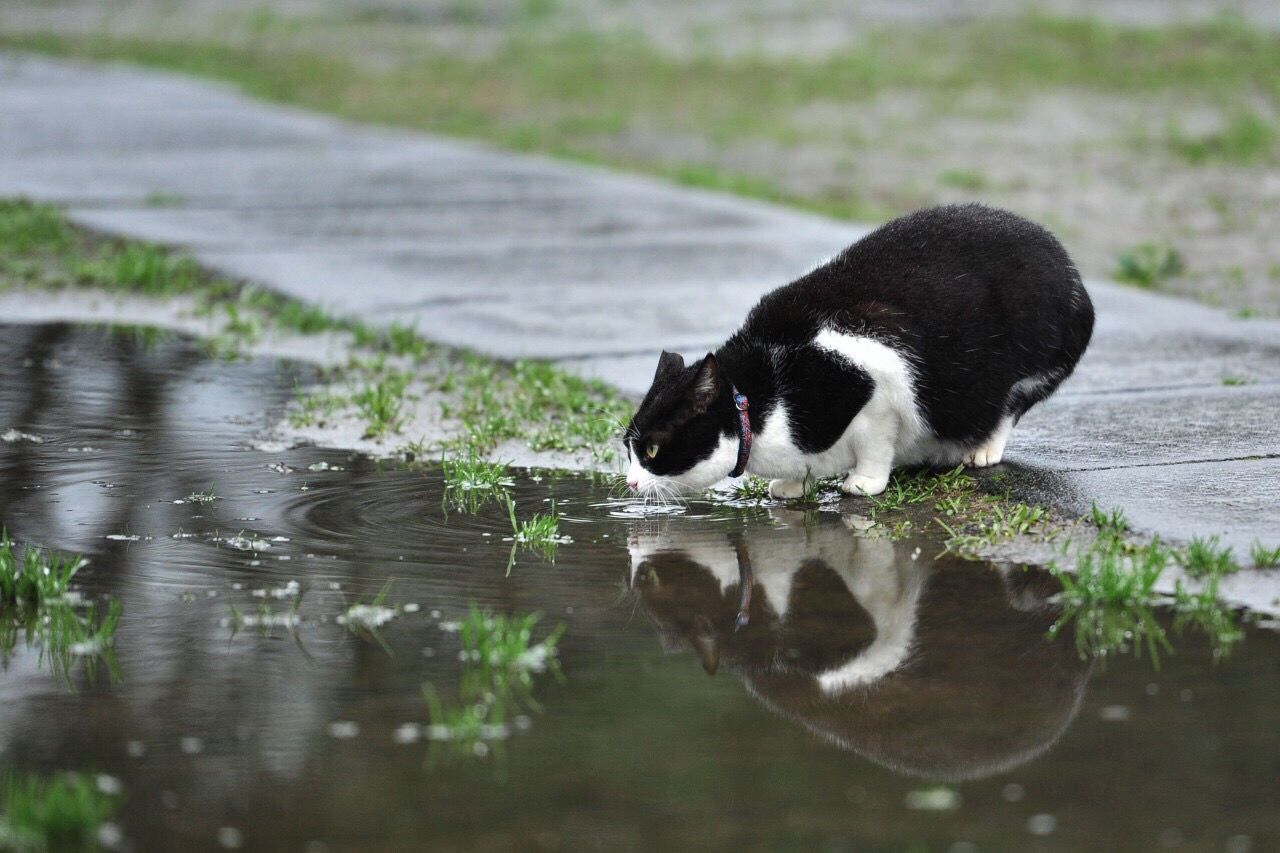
517,256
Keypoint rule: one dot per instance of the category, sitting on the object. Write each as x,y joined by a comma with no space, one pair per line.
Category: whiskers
658,491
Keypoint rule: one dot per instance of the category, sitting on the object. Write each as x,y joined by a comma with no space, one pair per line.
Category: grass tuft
1246,139
750,488
1205,612
64,812
381,402
500,662
909,489
471,481
1205,557
540,534
1148,265
1113,525
1264,557
31,578
1109,599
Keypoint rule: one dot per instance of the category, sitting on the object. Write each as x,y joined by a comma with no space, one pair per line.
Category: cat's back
929,270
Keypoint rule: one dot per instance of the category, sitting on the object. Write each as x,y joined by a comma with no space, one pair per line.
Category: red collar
744,433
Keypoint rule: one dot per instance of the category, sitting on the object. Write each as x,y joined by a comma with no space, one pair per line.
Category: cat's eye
651,451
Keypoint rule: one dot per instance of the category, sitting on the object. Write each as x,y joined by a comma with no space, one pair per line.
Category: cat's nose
633,483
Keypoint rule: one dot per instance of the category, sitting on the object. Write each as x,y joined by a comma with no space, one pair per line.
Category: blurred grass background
1146,133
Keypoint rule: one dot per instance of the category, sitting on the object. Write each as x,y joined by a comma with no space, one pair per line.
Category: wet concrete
970,725
522,256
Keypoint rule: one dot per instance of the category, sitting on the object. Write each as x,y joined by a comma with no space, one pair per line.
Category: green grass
1203,611
1236,381
575,93
1110,595
1246,139
1111,524
1264,557
972,519
1108,598
405,341
908,489
381,402
532,401
316,408
964,179
1206,557
26,227
997,523
62,812
471,481
500,663
750,488
31,578
1148,265
491,402
501,655
38,606
539,533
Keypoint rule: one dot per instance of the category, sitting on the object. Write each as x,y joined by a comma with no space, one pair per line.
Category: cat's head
684,436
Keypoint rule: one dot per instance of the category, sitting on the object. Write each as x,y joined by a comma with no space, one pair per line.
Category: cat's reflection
940,669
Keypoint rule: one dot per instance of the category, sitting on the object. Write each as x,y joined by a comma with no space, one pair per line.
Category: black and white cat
925,341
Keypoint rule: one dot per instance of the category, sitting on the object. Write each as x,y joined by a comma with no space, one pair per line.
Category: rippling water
946,718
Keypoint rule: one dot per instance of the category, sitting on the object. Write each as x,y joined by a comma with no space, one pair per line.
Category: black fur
977,298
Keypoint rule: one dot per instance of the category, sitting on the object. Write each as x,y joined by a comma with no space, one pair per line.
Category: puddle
879,697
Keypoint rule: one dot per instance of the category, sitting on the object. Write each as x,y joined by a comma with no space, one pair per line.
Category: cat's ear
706,384
706,642
669,363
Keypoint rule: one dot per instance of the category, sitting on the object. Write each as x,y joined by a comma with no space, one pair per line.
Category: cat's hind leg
991,451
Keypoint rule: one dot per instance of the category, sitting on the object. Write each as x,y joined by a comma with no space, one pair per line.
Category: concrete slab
524,256
1084,432
436,222
1234,500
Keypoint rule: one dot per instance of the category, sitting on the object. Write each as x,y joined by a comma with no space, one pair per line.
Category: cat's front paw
786,490
863,484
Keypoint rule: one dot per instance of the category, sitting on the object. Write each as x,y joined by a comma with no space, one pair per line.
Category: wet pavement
523,256
949,721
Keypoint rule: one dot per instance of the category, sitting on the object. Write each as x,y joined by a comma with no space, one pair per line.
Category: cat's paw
991,451
862,484
985,456
786,489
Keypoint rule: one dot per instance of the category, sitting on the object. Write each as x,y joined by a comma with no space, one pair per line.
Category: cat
923,342
919,664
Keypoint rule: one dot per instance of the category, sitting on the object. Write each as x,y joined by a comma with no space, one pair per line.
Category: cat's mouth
658,490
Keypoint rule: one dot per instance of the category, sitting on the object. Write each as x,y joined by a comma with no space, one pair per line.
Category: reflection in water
307,732
871,645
